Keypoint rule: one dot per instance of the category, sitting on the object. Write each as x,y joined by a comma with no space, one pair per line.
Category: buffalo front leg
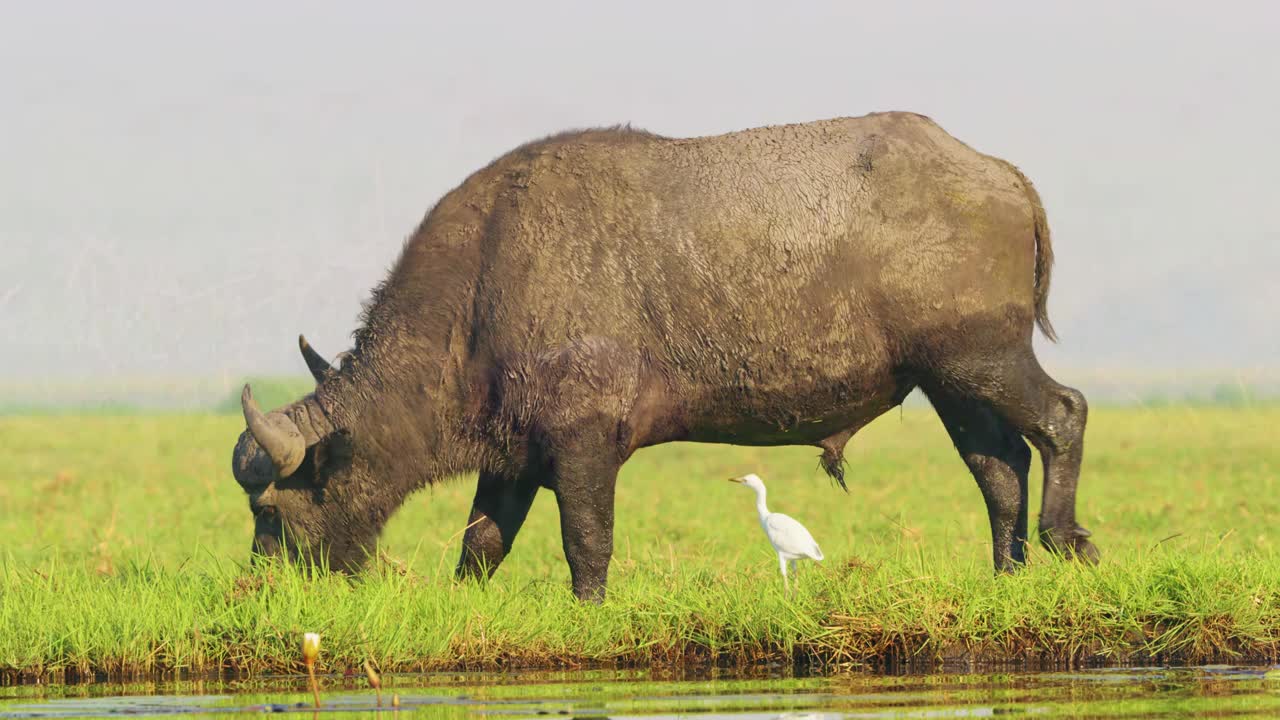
584,489
999,460
498,511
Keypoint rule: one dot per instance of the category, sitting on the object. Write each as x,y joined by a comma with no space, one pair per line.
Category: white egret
789,538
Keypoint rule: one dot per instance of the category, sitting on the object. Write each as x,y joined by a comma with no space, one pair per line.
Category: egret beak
736,480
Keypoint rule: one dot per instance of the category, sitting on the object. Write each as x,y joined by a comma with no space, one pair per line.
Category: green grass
123,541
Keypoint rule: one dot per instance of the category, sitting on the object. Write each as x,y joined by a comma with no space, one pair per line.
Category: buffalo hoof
1071,544
589,594
1009,566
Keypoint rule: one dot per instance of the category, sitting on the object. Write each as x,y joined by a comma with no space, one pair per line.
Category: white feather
789,537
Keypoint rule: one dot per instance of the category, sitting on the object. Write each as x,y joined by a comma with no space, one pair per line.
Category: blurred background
184,188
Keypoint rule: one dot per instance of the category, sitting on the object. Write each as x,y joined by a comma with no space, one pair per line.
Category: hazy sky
185,187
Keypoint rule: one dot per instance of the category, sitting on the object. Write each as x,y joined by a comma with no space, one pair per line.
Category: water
1129,693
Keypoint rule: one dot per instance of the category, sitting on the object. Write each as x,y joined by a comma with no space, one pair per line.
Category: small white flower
310,647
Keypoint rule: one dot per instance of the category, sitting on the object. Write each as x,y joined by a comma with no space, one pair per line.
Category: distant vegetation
270,392
133,396
222,395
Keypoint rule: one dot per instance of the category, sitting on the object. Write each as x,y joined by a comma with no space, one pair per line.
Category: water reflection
1133,692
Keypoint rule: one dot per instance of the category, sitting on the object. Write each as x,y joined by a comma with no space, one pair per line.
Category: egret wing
789,536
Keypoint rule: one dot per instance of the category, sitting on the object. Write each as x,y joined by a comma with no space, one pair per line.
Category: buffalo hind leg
999,459
499,509
1052,417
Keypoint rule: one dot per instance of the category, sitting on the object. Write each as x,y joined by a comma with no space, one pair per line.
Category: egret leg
786,584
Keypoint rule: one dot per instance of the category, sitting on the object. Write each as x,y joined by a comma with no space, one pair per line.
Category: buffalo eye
266,512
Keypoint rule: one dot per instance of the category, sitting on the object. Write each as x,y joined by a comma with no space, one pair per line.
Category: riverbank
1171,606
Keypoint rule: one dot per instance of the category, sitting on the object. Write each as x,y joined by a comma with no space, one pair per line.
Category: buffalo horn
276,434
319,367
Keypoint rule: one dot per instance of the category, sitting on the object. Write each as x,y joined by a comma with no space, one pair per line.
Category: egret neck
761,508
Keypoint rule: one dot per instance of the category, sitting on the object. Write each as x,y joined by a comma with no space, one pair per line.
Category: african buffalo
601,291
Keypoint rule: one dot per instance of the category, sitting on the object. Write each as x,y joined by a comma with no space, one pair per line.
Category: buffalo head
297,468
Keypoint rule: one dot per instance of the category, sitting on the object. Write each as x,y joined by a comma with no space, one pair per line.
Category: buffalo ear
331,454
